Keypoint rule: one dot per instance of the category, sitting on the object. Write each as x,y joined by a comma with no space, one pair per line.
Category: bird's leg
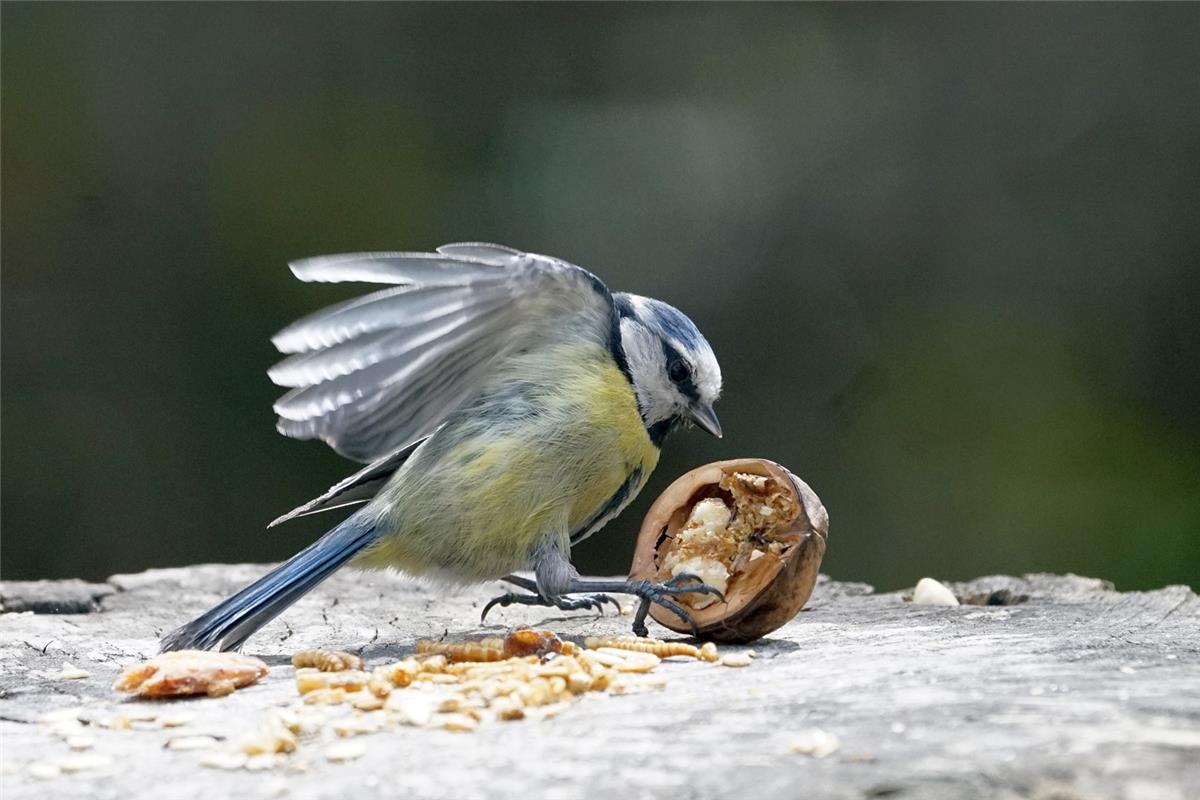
651,592
595,601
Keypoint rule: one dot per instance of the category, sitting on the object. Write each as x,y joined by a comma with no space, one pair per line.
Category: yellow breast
476,499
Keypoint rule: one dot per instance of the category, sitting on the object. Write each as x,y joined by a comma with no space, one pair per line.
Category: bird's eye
677,371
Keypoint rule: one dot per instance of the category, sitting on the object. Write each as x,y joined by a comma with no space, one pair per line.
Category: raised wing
378,372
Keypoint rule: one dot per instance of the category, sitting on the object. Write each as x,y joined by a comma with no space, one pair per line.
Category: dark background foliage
948,255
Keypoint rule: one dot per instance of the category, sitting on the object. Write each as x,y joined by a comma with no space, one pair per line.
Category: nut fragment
748,524
400,674
274,736
188,672
365,701
309,679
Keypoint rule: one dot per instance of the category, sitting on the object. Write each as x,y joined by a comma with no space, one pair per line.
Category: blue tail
232,621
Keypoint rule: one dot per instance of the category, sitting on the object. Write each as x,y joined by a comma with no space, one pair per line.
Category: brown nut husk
765,591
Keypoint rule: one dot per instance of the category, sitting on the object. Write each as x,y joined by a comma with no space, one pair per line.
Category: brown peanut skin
784,592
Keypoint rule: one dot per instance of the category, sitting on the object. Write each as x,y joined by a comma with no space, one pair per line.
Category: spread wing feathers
375,373
358,488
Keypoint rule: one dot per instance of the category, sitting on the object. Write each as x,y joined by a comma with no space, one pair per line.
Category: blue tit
507,406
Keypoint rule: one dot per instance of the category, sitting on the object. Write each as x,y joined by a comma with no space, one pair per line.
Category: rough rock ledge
1048,687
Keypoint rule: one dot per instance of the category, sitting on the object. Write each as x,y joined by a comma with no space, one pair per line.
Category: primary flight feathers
373,374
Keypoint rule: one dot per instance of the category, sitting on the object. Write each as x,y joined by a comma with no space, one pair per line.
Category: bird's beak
704,416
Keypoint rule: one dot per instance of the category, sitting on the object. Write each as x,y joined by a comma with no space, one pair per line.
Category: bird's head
674,372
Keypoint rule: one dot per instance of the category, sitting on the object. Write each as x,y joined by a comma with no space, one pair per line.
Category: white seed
635,686
72,714
176,720
411,708
737,660
459,723
816,743
263,761
81,742
190,742
223,759
345,751
70,672
137,715
932,593
84,762
354,726
43,770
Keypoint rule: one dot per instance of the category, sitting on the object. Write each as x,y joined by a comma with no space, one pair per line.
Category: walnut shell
771,589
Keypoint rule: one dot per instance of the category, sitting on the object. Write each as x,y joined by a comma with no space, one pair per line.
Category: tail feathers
227,625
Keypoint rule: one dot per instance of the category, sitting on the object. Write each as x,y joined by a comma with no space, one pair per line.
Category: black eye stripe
686,385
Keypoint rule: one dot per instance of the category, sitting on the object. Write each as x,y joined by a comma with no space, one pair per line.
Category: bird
506,405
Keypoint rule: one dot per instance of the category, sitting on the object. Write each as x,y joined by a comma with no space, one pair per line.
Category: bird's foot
592,600
594,594
661,593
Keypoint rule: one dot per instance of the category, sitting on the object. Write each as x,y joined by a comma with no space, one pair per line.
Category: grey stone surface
53,597
1072,690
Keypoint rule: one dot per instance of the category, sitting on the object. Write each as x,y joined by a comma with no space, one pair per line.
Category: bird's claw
587,601
592,594
661,594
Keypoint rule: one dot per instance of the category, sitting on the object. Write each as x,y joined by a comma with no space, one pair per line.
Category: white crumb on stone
816,743
70,672
43,770
84,762
190,742
176,720
223,759
932,593
345,751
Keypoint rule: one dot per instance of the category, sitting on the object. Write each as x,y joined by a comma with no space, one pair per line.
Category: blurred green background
949,256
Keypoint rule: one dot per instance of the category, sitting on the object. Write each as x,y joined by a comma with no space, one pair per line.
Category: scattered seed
43,770
70,672
223,759
175,720
816,743
345,751
84,762
190,742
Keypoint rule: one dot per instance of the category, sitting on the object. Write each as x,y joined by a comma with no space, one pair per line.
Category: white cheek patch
657,398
